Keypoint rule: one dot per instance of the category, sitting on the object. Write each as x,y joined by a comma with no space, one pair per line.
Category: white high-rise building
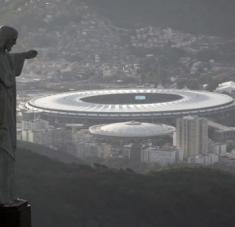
192,135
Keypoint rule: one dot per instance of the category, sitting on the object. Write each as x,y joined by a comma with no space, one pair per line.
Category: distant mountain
78,195
69,36
78,37
215,17
77,30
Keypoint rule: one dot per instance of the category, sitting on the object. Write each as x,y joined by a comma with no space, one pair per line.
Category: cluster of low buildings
150,37
138,142
191,139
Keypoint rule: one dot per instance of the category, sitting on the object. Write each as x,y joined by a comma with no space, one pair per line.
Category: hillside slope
69,35
214,17
76,195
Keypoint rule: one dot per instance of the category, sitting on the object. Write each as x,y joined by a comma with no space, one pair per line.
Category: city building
141,114
39,131
227,87
132,130
165,155
192,135
203,159
136,140
148,105
220,133
217,148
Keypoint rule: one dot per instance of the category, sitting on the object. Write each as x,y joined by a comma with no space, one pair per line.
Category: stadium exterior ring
131,104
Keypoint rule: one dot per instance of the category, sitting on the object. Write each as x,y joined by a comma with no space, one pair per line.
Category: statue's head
8,37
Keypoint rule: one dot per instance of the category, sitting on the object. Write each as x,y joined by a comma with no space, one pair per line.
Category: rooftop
132,129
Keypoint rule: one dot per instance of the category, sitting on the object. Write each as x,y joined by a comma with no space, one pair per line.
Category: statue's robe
10,66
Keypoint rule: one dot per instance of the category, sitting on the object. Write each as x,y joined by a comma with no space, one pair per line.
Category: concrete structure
203,159
151,105
67,113
227,88
41,132
135,140
217,148
163,155
132,129
192,135
220,133
230,155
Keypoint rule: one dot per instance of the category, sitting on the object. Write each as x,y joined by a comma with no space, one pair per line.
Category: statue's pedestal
15,214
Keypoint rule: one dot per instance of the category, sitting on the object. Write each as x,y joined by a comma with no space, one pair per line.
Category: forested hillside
202,16
197,16
72,195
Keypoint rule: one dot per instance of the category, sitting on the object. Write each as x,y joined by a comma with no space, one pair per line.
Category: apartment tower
192,135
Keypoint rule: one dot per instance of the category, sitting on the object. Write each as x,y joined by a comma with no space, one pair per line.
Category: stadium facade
149,105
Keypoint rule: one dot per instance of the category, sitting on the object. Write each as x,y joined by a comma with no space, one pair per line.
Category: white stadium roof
189,102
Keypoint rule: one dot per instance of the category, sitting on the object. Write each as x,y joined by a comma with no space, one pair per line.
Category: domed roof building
132,137
132,129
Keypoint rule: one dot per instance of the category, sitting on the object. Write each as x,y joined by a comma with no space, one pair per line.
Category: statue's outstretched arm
30,54
19,58
27,55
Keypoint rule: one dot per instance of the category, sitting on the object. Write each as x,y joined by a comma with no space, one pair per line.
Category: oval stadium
130,104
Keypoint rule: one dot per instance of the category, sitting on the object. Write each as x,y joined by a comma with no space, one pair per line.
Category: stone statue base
15,214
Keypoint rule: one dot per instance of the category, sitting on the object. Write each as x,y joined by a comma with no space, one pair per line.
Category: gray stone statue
11,65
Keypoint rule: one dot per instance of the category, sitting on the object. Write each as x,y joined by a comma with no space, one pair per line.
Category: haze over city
126,115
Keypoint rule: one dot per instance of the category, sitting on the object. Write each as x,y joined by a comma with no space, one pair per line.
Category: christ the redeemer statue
11,65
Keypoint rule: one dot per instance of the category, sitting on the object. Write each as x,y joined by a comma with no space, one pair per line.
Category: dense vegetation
202,16
76,195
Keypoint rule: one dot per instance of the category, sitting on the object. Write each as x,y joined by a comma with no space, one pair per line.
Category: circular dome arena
131,104
132,129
